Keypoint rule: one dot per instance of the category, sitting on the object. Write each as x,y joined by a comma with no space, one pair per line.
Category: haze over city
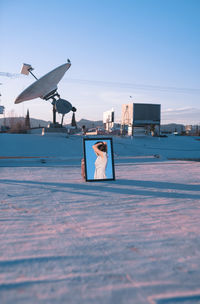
121,52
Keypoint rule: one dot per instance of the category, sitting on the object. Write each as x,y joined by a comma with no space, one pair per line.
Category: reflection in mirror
98,159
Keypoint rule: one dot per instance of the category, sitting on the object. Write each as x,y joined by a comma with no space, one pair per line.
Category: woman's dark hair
102,147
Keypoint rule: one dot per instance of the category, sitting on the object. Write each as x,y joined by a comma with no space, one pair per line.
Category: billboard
108,119
108,116
144,114
140,114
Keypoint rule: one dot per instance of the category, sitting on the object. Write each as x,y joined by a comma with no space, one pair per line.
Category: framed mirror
98,159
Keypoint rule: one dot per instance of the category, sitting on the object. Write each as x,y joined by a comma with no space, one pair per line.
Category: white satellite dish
44,86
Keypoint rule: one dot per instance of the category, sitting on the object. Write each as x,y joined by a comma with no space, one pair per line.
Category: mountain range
8,121
35,123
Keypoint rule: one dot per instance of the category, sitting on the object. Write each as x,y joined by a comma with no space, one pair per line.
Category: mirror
98,159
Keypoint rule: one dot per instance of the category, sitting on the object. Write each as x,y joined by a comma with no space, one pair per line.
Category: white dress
100,166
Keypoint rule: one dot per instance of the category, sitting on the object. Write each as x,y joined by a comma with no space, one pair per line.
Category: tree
27,121
73,123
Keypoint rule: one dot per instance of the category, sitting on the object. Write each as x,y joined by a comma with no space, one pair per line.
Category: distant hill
34,122
89,123
172,128
43,123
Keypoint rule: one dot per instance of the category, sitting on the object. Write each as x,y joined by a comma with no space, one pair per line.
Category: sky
124,51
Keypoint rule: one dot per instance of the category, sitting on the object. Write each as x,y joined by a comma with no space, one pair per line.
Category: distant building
140,115
172,128
108,120
192,130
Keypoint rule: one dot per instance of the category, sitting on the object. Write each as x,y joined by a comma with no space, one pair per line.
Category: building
192,130
140,115
108,120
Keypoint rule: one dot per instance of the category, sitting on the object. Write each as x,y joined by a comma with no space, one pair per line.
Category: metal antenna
30,71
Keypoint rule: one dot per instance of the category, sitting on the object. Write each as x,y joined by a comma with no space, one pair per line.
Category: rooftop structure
140,115
108,119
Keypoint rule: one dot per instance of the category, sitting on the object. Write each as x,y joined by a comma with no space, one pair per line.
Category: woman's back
100,166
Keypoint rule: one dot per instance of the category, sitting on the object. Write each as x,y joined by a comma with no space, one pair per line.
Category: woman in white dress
100,149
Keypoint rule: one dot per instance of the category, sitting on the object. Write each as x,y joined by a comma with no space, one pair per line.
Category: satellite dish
63,106
45,86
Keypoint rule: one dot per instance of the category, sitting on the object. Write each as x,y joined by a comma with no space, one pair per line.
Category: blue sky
147,49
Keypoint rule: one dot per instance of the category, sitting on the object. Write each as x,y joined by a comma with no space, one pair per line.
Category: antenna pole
32,73
54,114
62,119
